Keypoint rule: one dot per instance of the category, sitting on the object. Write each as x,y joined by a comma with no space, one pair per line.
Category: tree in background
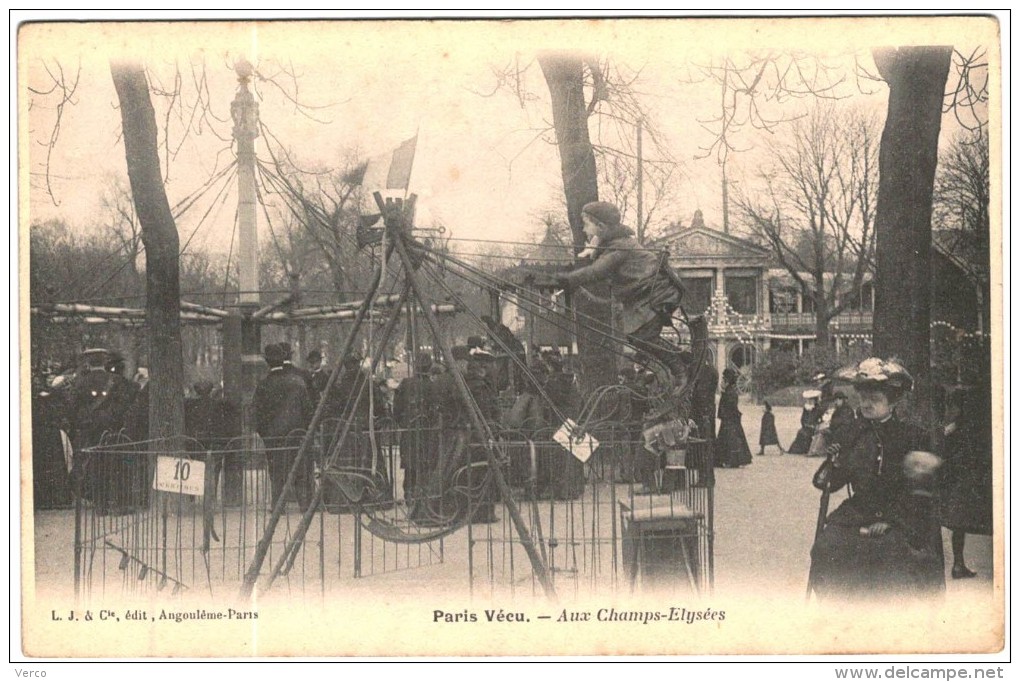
162,248
67,264
186,110
596,112
961,228
752,90
961,208
320,210
817,210
916,77
565,75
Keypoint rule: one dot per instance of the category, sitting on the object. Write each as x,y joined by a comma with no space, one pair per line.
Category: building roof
692,246
552,250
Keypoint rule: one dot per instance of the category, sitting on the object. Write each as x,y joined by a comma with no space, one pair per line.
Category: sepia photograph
510,337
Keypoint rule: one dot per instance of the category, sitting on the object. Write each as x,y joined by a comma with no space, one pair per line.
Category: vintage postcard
518,337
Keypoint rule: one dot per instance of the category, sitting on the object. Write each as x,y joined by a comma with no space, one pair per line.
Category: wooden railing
854,320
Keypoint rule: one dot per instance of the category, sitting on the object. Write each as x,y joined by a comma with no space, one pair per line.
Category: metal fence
170,516
182,517
623,520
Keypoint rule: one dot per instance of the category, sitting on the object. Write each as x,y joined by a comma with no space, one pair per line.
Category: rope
177,211
293,199
288,191
565,247
92,292
551,320
180,209
269,222
222,198
590,323
531,377
592,404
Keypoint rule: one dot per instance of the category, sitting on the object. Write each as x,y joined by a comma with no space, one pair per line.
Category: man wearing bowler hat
283,408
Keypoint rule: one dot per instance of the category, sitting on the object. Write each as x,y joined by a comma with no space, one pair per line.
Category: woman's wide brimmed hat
878,373
811,394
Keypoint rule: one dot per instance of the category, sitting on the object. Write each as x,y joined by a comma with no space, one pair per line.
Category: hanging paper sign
179,475
581,447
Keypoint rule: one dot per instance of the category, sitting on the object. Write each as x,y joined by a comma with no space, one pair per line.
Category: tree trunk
564,74
159,234
822,319
907,160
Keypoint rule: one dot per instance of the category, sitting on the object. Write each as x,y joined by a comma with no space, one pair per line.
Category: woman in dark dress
809,418
767,434
731,448
884,540
967,473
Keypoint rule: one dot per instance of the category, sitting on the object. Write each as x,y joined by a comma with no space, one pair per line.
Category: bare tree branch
817,214
65,89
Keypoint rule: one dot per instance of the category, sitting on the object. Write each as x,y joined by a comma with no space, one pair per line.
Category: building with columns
725,279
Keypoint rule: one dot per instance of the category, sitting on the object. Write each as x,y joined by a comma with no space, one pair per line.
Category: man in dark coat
100,401
560,474
482,389
212,422
706,382
354,391
460,447
289,366
319,376
51,483
415,412
282,409
510,353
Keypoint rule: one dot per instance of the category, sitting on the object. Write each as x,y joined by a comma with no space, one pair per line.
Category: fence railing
849,320
183,517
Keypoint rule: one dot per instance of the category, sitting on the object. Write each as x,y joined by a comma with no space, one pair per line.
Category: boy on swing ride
642,282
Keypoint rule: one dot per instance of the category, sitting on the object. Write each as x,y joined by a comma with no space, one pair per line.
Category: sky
486,166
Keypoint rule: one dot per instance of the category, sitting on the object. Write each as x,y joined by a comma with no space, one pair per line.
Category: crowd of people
441,456
885,538
76,409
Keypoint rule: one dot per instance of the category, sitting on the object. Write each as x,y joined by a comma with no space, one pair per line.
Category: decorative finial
243,69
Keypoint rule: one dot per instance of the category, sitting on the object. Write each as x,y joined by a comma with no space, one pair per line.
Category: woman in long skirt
967,472
731,448
884,540
809,419
767,434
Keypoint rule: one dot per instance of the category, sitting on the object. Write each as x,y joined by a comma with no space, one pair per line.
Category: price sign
179,475
580,447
